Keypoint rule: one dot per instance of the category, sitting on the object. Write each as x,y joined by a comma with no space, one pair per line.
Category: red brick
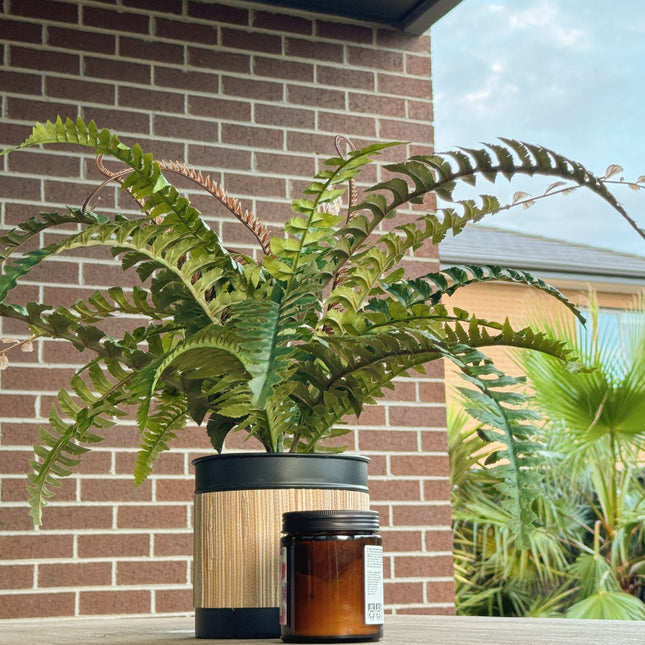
418,65
118,70
218,13
435,392
252,136
391,490
344,77
13,490
36,605
22,378
15,461
66,88
77,517
282,23
44,163
205,34
316,97
186,129
122,436
375,58
113,545
74,574
420,111
436,490
197,81
378,463
168,463
117,21
403,592
251,41
404,86
438,540
16,576
281,68
152,572
417,416
406,131
55,269
20,187
280,115
389,440
157,516
14,518
421,515
82,40
427,465
175,490
153,50
112,490
96,275
261,186
32,110
118,120
173,544
65,11
345,32
175,600
372,415
434,441
252,89
398,541
114,602
218,60
29,547
383,105
357,125
320,51
284,164
441,591
12,134
20,83
24,32
218,109
416,566
162,6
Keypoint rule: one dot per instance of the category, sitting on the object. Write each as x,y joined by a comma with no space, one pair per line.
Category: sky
565,74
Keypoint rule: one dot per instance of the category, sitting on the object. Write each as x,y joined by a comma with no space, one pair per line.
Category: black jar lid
329,521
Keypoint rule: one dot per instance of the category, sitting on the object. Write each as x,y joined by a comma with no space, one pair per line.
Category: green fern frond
17,237
507,424
146,181
62,445
434,286
162,426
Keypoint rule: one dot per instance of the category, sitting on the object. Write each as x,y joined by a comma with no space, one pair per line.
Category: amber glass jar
332,577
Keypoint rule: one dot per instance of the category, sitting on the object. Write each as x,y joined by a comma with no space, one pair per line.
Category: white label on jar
283,585
373,576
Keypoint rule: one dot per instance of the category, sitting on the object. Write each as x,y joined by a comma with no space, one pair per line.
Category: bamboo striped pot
239,501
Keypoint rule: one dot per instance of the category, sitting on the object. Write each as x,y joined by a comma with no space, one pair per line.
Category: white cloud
546,17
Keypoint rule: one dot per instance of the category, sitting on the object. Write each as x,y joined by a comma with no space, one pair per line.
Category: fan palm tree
586,555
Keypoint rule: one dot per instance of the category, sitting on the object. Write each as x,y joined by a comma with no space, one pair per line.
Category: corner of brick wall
254,97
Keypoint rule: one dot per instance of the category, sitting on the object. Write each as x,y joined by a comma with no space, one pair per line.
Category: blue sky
566,74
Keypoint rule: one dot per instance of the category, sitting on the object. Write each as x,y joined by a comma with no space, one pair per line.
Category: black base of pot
245,622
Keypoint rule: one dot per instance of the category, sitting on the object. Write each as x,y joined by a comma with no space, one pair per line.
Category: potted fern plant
282,347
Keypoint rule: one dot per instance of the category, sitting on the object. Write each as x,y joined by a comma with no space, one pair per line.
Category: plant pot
239,501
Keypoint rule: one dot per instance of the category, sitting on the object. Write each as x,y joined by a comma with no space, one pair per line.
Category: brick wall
255,97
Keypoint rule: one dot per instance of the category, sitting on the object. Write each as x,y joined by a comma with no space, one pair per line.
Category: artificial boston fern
283,347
